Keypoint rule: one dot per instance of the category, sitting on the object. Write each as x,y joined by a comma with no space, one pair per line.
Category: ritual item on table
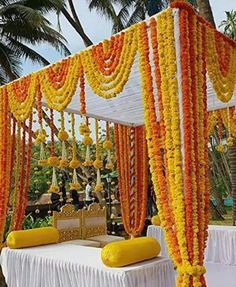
32,237
156,220
123,253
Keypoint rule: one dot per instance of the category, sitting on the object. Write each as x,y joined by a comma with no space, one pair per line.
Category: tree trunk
215,214
232,159
205,11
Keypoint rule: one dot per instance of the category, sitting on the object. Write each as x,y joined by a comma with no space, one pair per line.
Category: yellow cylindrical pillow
32,237
156,220
122,253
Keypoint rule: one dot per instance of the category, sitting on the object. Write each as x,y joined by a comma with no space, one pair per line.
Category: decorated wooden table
221,244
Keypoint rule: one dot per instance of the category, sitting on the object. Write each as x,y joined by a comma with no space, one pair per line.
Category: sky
98,28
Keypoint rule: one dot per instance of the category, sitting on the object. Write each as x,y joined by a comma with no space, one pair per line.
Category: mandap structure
167,74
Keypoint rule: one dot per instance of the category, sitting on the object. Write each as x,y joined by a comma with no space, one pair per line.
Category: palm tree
230,24
129,11
22,23
205,10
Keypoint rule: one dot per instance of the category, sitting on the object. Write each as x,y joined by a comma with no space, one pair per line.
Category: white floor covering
219,275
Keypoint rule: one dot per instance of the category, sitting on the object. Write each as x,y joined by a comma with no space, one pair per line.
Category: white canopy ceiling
127,108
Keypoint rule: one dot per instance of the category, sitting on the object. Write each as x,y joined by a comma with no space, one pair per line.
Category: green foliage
30,222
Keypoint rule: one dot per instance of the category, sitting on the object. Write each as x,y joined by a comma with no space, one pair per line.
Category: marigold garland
109,82
153,135
58,82
20,212
6,160
221,65
98,164
63,136
74,163
132,184
18,166
188,258
87,140
21,96
107,145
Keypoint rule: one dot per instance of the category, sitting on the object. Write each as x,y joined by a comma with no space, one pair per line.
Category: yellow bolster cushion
122,253
32,237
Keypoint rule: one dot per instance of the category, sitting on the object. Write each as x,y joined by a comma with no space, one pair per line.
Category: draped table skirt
68,265
221,244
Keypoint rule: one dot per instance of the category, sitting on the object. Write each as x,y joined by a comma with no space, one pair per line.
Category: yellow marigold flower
53,161
88,163
63,163
107,144
229,141
109,165
84,129
98,187
220,148
97,164
37,141
53,188
63,135
87,140
42,162
75,186
74,163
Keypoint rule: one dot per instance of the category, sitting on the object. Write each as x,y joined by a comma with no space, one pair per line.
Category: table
61,265
221,244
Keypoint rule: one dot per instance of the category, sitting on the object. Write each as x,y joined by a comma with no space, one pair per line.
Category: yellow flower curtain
132,168
179,141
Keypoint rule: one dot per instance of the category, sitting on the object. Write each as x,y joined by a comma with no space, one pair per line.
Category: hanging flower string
230,140
87,141
63,137
53,160
98,162
74,163
107,145
220,146
82,88
25,184
132,168
16,195
41,137
5,166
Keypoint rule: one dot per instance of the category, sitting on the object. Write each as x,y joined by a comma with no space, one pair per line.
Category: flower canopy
164,73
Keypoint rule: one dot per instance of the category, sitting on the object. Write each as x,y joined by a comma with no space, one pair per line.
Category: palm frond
23,51
9,62
26,14
34,35
44,6
104,7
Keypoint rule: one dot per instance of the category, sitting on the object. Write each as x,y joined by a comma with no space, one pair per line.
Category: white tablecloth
221,244
78,266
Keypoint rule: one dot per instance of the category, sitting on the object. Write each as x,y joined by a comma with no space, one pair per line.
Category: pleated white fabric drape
221,244
68,265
